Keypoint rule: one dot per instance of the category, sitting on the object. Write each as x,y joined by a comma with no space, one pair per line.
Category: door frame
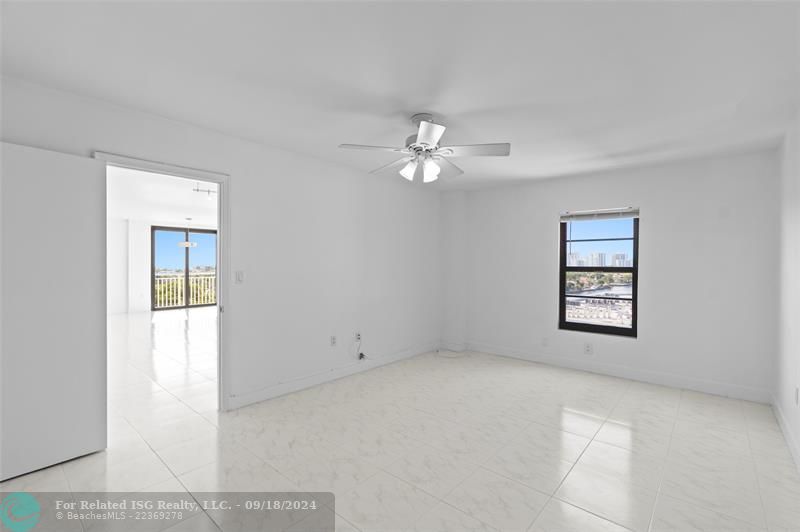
223,182
187,292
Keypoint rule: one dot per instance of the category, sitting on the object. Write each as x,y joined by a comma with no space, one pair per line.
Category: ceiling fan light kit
410,169
430,171
424,158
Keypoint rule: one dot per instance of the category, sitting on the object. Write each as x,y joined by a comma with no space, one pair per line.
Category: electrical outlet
588,349
333,341
358,337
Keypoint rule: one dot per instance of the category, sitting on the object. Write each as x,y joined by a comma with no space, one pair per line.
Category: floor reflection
170,350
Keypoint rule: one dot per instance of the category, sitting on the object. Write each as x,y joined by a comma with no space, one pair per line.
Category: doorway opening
164,250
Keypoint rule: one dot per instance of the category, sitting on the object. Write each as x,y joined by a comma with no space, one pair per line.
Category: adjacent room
392,266
161,287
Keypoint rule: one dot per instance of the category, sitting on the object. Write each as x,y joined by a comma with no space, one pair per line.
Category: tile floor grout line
755,471
163,388
167,391
687,500
451,490
175,477
664,462
433,405
71,492
479,465
564,478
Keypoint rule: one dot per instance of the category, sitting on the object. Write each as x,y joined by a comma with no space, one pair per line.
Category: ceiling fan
424,157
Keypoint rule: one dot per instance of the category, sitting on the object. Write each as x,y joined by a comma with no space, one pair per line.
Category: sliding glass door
202,275
183,267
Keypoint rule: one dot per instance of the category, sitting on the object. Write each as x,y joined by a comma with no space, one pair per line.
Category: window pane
600,312
203,257
612,228
169,261
202,269
607,253
601,284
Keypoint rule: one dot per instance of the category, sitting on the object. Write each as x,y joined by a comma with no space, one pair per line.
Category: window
184,267
599,271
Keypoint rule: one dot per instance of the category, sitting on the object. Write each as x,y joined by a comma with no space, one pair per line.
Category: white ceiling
573,86
160,199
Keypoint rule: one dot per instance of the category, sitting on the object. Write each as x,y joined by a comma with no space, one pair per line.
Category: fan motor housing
411,142
414,146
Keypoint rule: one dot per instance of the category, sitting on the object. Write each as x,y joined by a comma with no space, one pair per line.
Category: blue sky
170,256
612,228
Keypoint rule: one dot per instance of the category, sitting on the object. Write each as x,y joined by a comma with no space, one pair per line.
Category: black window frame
186,232
631,331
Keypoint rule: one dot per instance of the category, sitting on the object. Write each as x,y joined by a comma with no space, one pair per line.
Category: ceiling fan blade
394,165
430,133
370,148
448,169
477,150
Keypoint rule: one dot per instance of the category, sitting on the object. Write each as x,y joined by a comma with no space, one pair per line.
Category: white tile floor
474,442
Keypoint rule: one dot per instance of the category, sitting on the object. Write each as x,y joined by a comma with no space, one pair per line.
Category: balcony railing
169,291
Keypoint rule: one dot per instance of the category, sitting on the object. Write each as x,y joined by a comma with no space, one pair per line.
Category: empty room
400,266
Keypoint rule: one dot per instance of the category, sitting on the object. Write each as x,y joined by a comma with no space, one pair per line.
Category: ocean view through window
598,271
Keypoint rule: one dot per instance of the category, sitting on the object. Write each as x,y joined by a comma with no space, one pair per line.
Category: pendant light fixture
187,243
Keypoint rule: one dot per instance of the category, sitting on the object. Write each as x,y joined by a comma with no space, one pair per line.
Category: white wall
788,364
707,288
329,251
138,282
117,265
326,250
454,269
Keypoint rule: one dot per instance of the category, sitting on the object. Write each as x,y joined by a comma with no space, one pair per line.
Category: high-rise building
619,260
598,259
575,259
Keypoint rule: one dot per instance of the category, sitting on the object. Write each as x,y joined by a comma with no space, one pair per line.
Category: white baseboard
791,440
300,383
654,377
